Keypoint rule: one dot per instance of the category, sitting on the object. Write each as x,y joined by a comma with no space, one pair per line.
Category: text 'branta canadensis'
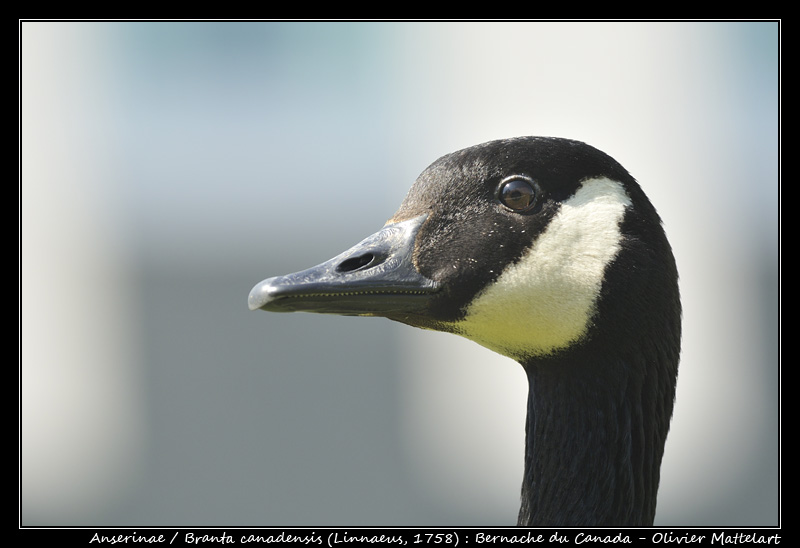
547,251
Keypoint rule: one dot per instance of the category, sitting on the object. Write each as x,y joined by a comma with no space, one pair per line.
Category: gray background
168,167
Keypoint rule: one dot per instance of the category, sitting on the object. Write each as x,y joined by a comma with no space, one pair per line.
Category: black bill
376,277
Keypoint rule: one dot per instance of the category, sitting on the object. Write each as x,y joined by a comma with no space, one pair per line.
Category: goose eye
517,194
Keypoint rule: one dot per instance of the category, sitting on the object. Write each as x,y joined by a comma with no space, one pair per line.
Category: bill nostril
355,263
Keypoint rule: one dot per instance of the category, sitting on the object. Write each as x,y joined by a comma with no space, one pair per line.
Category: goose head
545,250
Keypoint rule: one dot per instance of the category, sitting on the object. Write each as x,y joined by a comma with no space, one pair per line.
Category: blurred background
167,167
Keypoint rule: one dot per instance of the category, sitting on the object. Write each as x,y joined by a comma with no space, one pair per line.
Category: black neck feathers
595,438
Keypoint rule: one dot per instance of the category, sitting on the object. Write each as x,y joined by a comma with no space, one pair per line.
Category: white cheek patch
545,302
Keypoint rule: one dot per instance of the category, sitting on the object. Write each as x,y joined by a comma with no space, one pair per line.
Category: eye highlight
517,193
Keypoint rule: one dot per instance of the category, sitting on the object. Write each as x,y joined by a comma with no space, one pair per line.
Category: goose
547,251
